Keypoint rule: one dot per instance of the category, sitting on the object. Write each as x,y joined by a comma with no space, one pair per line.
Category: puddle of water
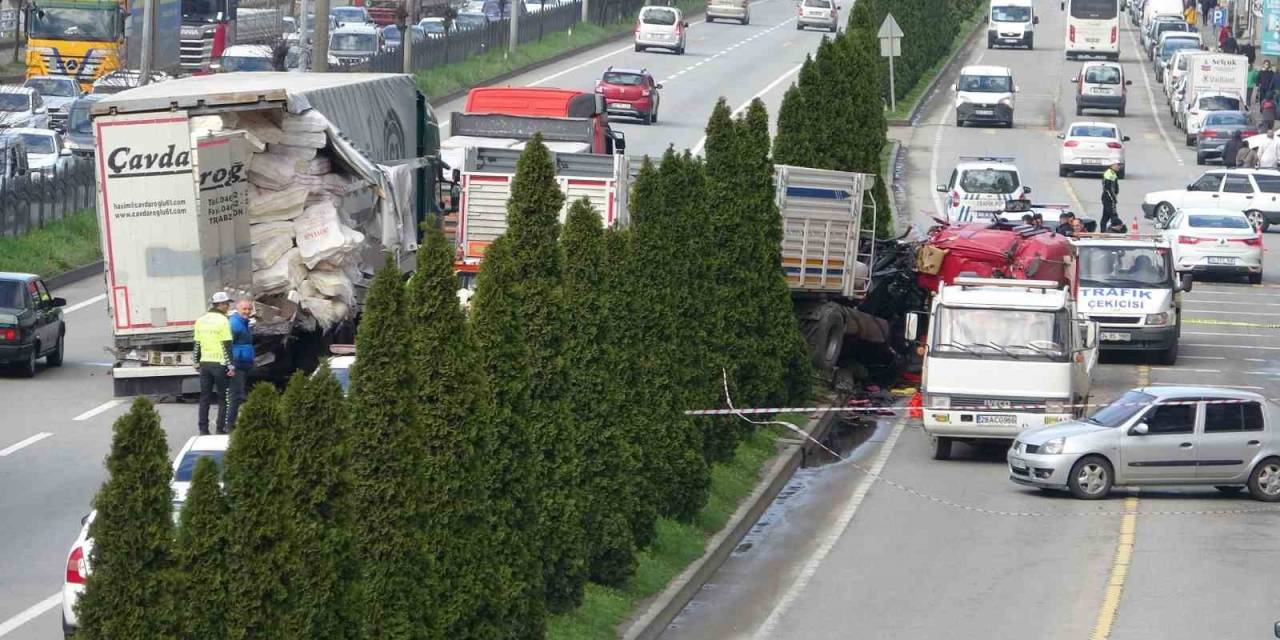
845,435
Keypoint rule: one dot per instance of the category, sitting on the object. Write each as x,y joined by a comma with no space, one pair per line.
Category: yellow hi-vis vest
212,335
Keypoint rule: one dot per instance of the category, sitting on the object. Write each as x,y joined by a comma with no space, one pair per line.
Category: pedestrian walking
1266,77
1110,195
1251,86
1268,151
241,356
1267,114
1232,149
213,360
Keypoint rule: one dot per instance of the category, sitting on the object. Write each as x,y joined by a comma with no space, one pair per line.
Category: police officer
213,360
1110,195
241,355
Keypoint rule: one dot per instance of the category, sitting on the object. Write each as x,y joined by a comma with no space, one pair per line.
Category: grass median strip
677,544
59,246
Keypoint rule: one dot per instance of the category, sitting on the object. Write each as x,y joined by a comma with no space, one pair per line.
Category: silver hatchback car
1157,436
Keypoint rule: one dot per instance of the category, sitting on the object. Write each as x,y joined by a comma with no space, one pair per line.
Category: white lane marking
1227,386
80,305
1251,292
831,537
1233,335
1203,357
106,406
12,449
1246,304
1151,99
30,614
702,142
1183,370
1230,346
1215,312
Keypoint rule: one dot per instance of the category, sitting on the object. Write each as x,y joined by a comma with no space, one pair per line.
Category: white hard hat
219,298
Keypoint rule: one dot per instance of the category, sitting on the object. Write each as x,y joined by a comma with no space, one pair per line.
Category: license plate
1099,90
1115,336
622,105
1017,464
1217,260
985,112
997,419
1091,161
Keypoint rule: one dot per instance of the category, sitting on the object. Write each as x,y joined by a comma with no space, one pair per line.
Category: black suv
31,324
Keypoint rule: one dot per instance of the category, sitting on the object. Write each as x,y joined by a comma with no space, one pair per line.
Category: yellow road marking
1119,567
1231,323
1144,375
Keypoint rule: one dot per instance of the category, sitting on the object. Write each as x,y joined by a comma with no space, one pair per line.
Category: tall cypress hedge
388,448
258,553
128,594
200,558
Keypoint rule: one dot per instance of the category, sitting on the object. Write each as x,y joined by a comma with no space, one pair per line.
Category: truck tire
941,448
826,338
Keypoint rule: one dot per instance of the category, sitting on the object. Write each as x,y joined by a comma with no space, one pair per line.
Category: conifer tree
609,462
388,450
450,391
792,145
258,553
317,493
128,593
200,558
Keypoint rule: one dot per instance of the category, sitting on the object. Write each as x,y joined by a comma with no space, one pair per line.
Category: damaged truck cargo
288,189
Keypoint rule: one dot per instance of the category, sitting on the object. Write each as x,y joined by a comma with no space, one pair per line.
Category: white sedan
1215,241
212,446
1091,146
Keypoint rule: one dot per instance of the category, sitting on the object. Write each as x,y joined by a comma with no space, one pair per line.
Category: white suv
980,186
1254,192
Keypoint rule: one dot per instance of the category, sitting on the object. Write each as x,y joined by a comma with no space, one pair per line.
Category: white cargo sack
332,284
326,312
262,232
279,276
261,126
267,252
319,233
310,122
272,171
266,205
298,153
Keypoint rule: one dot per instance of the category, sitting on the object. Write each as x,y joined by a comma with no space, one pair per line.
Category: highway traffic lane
55,481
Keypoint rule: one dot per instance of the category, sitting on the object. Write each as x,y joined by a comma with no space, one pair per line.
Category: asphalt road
954,549
56,429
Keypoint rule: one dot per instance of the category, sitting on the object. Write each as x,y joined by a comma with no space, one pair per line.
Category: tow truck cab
1002,356
1127,285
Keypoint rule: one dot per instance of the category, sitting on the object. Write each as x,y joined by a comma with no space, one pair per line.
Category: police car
980,186
1127,284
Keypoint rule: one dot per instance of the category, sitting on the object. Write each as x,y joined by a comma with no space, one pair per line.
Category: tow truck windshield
1134,267
1003,333
63,23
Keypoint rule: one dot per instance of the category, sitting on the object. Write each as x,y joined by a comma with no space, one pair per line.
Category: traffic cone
914,407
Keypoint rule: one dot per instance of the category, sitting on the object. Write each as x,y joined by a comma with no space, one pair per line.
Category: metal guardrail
30,202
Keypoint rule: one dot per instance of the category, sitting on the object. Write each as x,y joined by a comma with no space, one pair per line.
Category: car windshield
78,120
986,84
1012,333
187,465
1102,75
15,102
817,4
62,23
625,79
1206,221
1092,131
348,14
1094,9
1226,119
432,26
1133,267
1219,103
1011,14
470,20
246,63
391,33
1182,63
53,87
37,143
989,181
662,17
202,10
1174,44
1122,409
358,42
11,295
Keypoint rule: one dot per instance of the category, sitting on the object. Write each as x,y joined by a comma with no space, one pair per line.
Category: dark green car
31,324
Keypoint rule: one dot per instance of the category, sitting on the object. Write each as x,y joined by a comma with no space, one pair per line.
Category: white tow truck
1127,285
1002,356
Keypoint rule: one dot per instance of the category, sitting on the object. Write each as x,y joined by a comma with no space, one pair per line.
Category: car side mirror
657,86
1124,138
1026,190
1277,629
1035,20
1140,429
1016,88
58,302
953,87
457,176
942,188
1075,78
1062,136
911,332
1128,83
1184,282
685,24
85,519
619,142
64,152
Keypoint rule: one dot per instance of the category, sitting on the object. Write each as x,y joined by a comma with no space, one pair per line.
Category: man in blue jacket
241,355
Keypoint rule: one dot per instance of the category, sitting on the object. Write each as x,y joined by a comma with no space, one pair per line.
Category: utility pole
148,27
320,57
584,11
514,39
411,18
304,39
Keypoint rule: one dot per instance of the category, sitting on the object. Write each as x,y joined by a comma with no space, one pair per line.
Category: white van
1012,23
1155,8
984,93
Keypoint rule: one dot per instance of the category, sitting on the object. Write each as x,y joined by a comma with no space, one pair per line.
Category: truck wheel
827,339
1169,356
941,448
1090,478
55,359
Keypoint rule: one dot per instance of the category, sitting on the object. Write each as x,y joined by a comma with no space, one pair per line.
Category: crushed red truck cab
994,250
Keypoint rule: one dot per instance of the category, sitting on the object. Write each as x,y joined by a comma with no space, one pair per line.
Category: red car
630,92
